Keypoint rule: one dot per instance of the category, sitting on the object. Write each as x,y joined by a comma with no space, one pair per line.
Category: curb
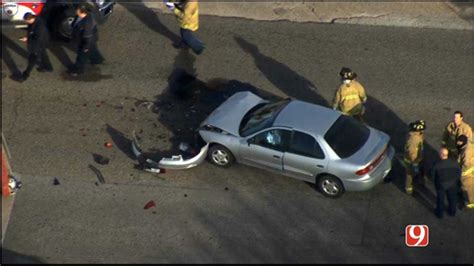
438,15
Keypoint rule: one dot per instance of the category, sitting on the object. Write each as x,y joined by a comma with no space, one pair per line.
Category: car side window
276,139
305,145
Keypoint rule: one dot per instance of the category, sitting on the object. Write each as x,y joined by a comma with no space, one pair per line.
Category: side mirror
250,141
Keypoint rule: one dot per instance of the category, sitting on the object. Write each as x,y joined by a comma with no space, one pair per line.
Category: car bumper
370,180
14,24
176,162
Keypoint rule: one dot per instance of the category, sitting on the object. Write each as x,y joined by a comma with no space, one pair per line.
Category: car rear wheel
330,186
220,156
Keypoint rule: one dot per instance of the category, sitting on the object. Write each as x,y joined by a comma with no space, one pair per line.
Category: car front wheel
220,156
330,186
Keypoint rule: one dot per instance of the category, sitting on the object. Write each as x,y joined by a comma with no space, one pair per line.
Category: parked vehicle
294,138
59,14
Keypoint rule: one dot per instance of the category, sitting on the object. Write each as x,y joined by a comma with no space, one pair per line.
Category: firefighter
85,32
350,97
187,13
466,161
37,40
413,153
452,131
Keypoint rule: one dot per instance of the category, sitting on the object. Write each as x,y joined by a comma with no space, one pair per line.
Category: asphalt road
54,124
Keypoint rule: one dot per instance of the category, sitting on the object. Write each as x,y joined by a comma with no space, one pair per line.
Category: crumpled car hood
229,114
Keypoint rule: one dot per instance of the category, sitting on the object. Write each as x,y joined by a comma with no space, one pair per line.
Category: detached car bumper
176,162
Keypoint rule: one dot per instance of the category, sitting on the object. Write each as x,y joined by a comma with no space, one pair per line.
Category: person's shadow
56,48
148,17
7,58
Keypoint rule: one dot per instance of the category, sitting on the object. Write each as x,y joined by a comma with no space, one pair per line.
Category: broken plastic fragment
97,173
100,159
149,205
184,146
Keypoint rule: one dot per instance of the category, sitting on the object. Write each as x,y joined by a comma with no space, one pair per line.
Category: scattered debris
185,195
98,173
226,188
97,184
184,146
84,105
100,159
133,109
149,205
56,182
108,145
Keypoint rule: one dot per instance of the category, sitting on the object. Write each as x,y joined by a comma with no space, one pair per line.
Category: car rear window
346,136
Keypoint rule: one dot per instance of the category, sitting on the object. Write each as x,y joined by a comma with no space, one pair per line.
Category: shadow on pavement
281,76
150,19
7,58
123,143
12,257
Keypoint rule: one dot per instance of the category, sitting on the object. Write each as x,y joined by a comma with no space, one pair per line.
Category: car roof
307,117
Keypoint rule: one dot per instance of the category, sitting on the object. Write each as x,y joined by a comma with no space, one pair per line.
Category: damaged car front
221,126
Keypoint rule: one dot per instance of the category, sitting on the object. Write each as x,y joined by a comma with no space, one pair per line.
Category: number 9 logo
417,235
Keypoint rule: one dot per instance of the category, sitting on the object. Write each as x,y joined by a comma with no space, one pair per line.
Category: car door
265,149
304,158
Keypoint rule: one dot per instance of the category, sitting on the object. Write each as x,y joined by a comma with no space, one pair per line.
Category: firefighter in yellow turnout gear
466,160
452,131
350,96
413,153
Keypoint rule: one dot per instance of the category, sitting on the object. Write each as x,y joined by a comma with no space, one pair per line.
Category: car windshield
346,136
260,117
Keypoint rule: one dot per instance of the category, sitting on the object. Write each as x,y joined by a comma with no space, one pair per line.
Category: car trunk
375,145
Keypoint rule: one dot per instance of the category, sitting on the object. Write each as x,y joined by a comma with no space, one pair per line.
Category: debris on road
226,188
100,159
98,173
108,145
150,204
56,182
183,146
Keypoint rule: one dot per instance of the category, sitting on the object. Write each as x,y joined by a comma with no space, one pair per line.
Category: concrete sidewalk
443,15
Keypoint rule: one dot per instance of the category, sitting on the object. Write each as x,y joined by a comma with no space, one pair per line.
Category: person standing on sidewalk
37,40
413,154
446,174
466,161
85,32
452,131
187,13
350,96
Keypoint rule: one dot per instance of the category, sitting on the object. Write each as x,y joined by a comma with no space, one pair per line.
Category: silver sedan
293,138
298,139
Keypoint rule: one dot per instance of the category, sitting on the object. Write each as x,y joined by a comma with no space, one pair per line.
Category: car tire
62,30
220,156
330,186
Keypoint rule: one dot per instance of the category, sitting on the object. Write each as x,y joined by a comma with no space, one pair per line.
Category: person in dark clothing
86,34
37,40
446,174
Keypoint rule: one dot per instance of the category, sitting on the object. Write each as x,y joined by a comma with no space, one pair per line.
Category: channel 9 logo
417,235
